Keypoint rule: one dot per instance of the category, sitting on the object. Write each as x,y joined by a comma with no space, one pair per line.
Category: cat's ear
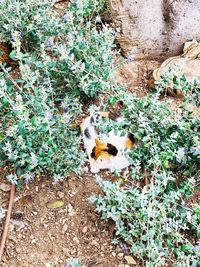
130,141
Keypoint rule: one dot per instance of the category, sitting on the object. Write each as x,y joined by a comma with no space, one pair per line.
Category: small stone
120,256
113,254
71,211
60,194
37,189
64,229
11,227
84,230
130,260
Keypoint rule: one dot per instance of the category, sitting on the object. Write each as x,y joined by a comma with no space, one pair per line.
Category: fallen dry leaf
55,204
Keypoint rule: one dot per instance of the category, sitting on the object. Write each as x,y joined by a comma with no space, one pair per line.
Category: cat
107,152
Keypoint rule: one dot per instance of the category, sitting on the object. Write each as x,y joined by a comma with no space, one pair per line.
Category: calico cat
107,152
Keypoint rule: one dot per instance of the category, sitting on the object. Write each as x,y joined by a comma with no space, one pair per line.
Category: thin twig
5,231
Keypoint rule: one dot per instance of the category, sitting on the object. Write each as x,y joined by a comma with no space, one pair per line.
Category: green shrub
62,61
36,135
70,49
155,219
154,223
176,80
32,20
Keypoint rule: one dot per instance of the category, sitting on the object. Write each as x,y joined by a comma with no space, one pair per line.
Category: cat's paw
94,169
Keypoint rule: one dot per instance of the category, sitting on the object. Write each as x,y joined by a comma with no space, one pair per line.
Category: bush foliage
61,60
155,219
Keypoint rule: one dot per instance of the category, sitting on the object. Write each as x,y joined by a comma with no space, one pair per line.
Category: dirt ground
39,236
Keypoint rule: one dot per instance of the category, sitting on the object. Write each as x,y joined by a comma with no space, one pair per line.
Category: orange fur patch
128,143
100,150
105,114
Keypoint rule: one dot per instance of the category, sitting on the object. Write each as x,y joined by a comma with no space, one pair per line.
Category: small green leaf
5,102
169,243
185,248
13,54
1,136
19,172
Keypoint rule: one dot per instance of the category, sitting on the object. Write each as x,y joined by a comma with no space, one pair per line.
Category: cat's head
91,121
96,116
103,150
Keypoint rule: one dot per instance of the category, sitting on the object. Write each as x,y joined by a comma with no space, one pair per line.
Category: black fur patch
91,120
131,137
93,153
87,133
112,150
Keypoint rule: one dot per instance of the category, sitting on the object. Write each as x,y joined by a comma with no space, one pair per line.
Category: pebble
64,229
113,254
71,211
11,227
60,194
84,230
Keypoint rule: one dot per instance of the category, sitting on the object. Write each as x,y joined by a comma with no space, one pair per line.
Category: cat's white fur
118,162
